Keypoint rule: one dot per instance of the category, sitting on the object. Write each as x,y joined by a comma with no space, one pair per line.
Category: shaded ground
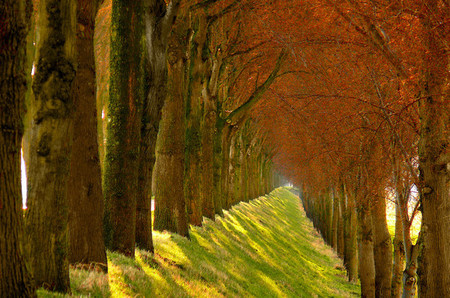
264,248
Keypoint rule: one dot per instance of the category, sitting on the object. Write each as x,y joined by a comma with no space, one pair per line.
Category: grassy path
265,248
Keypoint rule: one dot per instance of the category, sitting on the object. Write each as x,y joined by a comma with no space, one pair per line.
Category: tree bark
50,145
123,135
399,255
382,248
365,244
15,278
434,154
207,189
195,78
86,243
158,18
170,207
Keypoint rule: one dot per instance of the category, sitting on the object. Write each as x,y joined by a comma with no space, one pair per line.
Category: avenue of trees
199,104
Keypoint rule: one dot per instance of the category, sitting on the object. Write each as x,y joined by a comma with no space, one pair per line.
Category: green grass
264,248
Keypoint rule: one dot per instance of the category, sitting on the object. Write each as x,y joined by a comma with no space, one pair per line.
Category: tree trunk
207,174
382,248
86,244
335,223
195,77
158,20
434,154
399,255
365,244
170,207
15,279
50,145
123,134
217,166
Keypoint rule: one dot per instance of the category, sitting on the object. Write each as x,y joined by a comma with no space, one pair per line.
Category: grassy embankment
265,248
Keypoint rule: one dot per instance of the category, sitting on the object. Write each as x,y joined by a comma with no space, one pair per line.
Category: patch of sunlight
117,284
272,285
236,225
159,283
165,242
203,242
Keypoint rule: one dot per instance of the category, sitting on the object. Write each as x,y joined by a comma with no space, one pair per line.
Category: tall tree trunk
382,248
86,243
225,166
399,255
158,18
170,207
50,145
365,244
207,174
434,154
124,120
217,166
195,77
15,280
335,222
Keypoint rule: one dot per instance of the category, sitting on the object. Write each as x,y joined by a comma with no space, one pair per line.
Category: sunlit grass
264,248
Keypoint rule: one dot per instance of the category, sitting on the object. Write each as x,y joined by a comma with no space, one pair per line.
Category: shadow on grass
264,248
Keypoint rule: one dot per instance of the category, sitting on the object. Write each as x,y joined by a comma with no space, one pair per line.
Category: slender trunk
86,244
409,277
341,227
399,255
225,166
217,166
382,248
365,244
123,134
434,154
207,174
170,207
232,170
193,168
335,222
15,278
50,145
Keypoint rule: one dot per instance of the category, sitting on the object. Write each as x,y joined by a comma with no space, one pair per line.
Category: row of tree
169,113
366,113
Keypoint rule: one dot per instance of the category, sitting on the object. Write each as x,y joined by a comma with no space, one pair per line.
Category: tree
15,278
50,145
170,208
85,184
126,95
434,151
158,19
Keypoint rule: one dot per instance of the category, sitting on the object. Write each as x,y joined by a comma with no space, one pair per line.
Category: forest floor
264,248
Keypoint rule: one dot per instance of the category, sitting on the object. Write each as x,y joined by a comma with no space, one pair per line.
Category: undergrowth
264,248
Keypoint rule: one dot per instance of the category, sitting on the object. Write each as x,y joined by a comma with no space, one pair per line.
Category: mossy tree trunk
195,78
170,207
86,243
15,278
124,123
382,247
434,153
50,144
158,19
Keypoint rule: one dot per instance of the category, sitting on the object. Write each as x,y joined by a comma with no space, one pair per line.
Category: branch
258,93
